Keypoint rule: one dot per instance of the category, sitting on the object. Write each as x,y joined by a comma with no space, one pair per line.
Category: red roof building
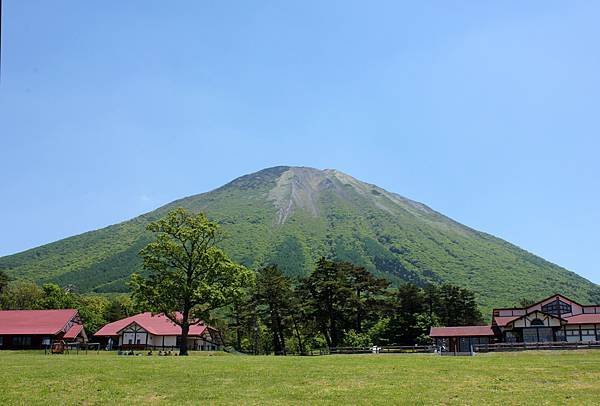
463,331
38,328
146,330
556,318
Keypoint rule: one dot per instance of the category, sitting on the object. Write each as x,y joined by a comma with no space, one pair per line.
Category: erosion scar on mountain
291,216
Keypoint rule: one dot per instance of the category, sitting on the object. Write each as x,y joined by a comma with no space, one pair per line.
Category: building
148,331
461,339
36,329
554,319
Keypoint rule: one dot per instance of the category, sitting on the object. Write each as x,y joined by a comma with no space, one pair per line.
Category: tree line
341,304
95,310
190,279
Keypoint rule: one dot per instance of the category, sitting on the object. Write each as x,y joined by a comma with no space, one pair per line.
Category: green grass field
570,377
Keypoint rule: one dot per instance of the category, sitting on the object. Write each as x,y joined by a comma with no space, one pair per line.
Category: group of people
162,353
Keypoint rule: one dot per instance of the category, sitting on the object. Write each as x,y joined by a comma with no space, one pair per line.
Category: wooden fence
391,349
560,345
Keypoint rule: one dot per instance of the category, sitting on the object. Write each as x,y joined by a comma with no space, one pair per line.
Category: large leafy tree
21,295
188,275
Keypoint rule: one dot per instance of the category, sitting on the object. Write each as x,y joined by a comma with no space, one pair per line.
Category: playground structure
64,347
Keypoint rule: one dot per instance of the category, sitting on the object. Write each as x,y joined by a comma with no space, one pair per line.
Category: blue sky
486,111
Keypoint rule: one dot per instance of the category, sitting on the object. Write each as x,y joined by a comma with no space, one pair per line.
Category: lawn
571,377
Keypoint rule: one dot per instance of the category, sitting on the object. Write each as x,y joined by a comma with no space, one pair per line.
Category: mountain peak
293,215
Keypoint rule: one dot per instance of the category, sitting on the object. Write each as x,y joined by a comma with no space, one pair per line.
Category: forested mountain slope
293,215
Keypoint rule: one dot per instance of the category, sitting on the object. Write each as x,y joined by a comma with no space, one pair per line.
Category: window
21,341
480,340
557,308
537,322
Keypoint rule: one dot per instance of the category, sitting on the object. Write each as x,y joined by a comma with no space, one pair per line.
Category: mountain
293,215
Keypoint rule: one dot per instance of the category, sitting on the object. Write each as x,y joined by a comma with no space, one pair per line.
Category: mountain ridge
292,215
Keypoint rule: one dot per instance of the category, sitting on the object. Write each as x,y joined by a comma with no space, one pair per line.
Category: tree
328,297
4,279
456,306
55,297
118,308
21,295
92,309
273,296
243,320
188,275
368,296
524,302
407,304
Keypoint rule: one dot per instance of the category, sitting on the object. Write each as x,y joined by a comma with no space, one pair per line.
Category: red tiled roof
585,318
73,332
502,321
158,325
33,322
463,331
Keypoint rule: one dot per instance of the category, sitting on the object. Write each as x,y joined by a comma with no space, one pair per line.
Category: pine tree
273,296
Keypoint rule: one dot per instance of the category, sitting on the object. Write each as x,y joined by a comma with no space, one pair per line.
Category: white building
147,331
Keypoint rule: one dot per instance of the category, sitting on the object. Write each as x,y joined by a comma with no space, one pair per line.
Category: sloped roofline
115,328
536,311
68,314
543,300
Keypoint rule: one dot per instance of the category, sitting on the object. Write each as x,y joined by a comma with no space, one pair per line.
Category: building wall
153,340
25,342
137,338
583,332
526,321
510,312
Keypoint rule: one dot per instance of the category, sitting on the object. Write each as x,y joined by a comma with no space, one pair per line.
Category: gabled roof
73,332
515,318
584,318
556,295
502,321
463,331
157,325
543,300
35,322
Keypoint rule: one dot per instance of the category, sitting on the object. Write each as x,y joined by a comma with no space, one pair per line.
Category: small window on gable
537,322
